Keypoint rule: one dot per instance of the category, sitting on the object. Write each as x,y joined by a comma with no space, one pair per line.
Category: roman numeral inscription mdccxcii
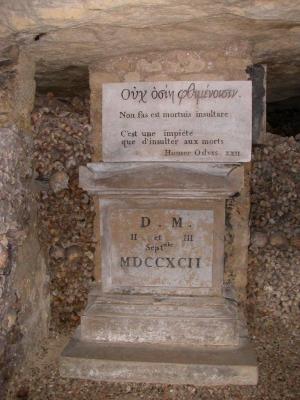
160,247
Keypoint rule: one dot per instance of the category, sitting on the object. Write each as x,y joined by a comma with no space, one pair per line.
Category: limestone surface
69,36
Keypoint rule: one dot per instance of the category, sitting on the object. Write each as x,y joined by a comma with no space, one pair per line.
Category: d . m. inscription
161,247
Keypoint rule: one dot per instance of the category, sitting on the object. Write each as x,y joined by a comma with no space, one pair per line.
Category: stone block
161,320
159,364
177,121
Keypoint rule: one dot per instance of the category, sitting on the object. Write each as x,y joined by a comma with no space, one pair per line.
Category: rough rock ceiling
68,35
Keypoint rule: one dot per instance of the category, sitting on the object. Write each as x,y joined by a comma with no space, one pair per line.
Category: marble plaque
177,121
147,249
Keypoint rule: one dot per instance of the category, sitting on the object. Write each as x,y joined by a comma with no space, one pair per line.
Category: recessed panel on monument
147,249
177,121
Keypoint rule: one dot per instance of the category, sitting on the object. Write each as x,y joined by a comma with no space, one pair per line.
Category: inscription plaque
150,248
177,121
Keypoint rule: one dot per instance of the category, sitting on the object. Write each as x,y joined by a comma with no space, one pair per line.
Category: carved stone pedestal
159,314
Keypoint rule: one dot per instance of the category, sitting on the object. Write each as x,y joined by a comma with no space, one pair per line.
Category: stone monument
173,154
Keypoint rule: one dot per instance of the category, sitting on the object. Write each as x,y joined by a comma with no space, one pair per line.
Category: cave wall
49,242
66,37
24,300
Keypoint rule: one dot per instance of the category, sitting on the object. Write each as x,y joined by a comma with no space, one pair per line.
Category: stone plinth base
148,363
176,320
160,339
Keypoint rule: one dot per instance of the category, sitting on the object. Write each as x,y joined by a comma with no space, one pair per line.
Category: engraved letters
177,121
157,248
160,262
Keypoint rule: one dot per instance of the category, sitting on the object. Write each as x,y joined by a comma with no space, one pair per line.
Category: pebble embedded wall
24,305
274,253
61,133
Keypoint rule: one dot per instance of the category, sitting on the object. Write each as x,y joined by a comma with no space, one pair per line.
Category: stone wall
24,304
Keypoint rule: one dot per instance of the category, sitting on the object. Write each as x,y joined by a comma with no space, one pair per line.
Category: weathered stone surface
160,247
174,180
24,297
176,248
79,32
259,239
160,364
32,278
3,256
73,253
57,252
237,238
59,181
7,75
116,69
161,180
177,121
295,241
198,321
278,239
24,301
14,152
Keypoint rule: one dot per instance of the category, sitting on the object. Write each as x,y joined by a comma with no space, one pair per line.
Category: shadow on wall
284,117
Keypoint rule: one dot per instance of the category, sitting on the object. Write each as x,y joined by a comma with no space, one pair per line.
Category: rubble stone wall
24,305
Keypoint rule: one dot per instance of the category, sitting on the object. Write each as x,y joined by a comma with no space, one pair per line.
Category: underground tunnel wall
24,294
62,140
271,297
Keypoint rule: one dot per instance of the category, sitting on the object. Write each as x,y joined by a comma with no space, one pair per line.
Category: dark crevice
37,37
283,117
